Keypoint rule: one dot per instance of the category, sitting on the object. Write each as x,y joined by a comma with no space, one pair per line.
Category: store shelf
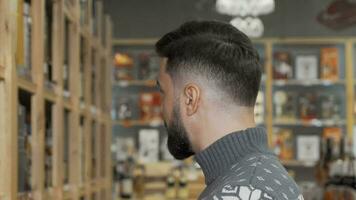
2,73
45,35
26,85
311,123
307,82
129,123
298,163
146,83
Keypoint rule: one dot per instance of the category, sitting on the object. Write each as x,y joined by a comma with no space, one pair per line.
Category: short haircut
216,51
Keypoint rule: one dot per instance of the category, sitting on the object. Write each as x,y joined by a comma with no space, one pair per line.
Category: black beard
178,143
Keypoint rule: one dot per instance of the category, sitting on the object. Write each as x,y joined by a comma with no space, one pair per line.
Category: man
209,82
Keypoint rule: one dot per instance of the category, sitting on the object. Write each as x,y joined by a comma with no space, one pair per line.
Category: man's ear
191,97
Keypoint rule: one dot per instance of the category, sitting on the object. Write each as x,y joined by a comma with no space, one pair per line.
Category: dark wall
153,18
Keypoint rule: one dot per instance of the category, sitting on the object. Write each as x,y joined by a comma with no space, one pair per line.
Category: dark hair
217,51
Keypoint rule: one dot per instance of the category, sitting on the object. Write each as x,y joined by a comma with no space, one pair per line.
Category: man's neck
223,153
220,127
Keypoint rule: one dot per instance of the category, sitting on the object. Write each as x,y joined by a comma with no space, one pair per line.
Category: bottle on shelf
126,182
171,192
321,167
183,191
139,181
24,44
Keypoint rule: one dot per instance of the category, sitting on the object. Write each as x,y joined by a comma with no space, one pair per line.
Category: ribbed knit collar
230,149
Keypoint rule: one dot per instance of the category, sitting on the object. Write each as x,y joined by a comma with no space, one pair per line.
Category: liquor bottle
183,191
139,181
23,54
320,166
329,152
28,36
171,189
47,65
126,189
282,68
143,66
22,154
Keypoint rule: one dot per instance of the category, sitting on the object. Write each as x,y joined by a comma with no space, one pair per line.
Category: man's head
207,65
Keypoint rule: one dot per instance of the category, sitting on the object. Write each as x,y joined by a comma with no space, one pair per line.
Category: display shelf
51,37
27,85
129,123
320,85
310,123
146,83
316,82
297,163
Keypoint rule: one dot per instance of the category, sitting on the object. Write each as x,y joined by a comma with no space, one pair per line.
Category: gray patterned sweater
240,166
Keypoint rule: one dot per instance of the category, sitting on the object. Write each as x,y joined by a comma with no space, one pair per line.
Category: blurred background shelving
304,98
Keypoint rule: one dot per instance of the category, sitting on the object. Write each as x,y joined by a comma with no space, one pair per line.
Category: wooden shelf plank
67,104
68,12
277,40
146,83
130,123
27,85
303,40
50,95
317,82
24,195
141,42
311,123
298,163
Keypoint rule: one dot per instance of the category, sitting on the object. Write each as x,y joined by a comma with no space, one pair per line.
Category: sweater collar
230,149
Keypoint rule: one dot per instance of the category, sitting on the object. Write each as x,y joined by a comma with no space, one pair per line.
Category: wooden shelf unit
147,83
11,83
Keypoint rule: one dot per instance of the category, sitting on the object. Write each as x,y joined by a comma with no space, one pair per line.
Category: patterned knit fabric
240,166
